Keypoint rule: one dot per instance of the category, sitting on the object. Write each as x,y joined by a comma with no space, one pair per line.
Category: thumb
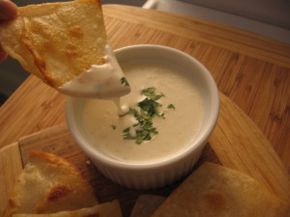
8,10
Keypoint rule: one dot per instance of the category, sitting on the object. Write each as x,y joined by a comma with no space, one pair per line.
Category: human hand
8,11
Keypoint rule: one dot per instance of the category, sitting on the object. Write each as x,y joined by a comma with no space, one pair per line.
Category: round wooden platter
235,143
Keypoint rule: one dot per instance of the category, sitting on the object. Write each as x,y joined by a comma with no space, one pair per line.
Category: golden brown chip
56,41
49,184
110,209
215,191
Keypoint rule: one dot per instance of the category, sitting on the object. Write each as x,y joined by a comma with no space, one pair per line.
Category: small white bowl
152,174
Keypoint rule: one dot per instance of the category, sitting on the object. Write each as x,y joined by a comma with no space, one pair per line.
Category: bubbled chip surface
56,41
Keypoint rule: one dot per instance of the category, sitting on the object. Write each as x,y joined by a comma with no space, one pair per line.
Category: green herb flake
150,106
171,106
144,112
161,114
113,127
124,81
150,92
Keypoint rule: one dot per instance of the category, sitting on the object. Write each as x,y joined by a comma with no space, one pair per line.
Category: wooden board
252,70
236,143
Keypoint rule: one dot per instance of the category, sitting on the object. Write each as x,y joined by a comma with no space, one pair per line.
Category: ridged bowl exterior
150,178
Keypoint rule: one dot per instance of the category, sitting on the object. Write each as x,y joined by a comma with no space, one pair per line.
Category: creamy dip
99,81
104,127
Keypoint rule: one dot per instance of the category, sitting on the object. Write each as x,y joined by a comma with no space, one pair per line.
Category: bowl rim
201,141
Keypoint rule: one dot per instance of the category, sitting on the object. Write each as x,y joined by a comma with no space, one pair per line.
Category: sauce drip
122,108
100,81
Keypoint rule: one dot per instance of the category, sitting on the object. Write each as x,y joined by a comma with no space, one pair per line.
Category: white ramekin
152,175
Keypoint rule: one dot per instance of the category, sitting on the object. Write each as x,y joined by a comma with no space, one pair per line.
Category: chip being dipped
65,45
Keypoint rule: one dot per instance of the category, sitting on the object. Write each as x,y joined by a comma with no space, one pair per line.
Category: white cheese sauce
100,81
103,126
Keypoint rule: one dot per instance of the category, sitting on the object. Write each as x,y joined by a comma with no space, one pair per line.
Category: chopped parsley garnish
142,134
149,106
171,106
150,92
124,81
113,127
144,112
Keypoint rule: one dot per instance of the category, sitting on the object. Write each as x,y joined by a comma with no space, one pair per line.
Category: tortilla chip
110,209
49,184
56,41
215,191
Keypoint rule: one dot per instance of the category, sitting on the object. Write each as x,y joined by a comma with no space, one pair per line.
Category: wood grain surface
236,143
10,168
252,70
58,140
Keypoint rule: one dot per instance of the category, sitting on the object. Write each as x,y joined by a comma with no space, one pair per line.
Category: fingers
8,10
